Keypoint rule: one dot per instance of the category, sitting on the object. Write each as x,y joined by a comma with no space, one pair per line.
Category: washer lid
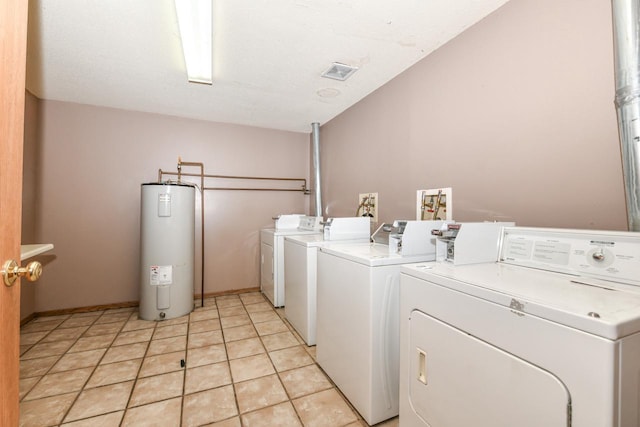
315,240
373,254
295,232
306,239
607,309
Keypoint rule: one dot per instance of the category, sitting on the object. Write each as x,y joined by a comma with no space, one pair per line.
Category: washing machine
300,270
272,252
357,342
547,335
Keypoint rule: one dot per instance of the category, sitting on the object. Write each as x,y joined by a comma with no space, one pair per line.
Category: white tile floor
244,366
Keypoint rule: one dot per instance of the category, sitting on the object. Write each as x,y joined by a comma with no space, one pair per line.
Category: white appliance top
311,240
347,228
298,221
373,254
287,225
310,223
290,221
587,280
291,232
608,255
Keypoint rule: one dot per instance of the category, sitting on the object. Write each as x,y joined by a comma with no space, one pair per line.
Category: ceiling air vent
339,71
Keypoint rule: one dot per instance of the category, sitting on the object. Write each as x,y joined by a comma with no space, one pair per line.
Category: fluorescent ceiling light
194,21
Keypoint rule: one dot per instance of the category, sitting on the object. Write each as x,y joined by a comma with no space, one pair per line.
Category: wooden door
13,52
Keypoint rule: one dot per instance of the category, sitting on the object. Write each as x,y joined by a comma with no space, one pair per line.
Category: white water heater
167,229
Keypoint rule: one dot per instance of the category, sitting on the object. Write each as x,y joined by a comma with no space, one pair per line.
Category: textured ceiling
267,54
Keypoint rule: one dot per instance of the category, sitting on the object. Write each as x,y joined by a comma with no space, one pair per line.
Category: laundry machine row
272,246
272,252
300,269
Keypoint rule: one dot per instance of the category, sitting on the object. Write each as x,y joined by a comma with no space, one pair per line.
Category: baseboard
27,319
223,293
86,309
124,305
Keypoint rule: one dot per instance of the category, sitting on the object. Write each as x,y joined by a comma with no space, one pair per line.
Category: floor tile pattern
235,362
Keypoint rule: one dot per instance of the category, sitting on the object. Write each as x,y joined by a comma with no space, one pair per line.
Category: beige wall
93,162
516,114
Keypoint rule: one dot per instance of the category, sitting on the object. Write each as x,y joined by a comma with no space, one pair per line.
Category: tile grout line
331,382
49,369
189,320
66,414
184,365
278,373
273,366
135,380
186,358
66,353
233,382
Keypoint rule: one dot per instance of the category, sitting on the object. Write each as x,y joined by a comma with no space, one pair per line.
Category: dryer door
266,271
458,380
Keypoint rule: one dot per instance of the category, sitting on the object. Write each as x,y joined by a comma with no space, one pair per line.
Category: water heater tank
167,228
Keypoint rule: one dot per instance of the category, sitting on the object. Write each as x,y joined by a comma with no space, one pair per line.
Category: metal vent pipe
626,39
316,189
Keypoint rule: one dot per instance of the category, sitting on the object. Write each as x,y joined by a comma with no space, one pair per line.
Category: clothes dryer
272,252
300,269
549,335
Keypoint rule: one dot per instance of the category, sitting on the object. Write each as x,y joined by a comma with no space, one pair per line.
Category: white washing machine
300,270
358,322
272,252
547,336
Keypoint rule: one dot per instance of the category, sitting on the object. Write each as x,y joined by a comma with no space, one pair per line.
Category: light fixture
339,71
194,21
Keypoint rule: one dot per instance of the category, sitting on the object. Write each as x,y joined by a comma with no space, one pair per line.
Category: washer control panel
608,255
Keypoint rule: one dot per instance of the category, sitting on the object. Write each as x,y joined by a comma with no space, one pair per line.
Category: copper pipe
202,176
255,177
254,189
304,188
201,166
